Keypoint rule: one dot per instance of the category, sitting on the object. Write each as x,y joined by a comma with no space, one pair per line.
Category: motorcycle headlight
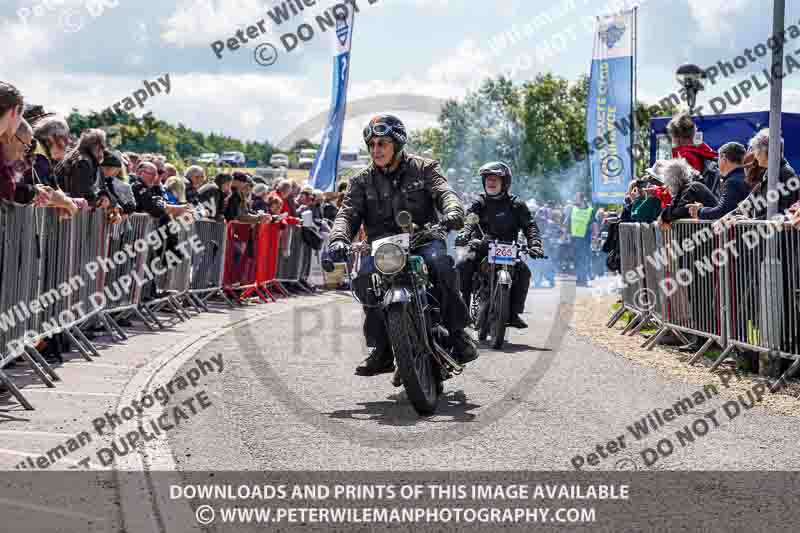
389,258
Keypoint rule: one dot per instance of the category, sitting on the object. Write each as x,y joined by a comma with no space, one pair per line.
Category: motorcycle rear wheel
414,363
500,316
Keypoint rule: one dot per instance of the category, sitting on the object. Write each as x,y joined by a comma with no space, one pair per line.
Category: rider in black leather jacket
395,182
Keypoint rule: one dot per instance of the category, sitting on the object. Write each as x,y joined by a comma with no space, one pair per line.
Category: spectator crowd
42,163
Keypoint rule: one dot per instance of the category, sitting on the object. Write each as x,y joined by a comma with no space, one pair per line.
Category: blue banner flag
609,124
325,167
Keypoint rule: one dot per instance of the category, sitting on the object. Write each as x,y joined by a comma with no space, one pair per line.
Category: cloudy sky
91,54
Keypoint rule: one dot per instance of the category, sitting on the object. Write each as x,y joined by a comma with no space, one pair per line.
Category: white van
279,160
306,158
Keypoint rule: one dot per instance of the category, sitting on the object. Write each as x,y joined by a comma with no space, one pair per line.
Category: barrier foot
144,320
786,375
642,323
631,324
200,301
107,326
177,308
724,355
681,336
38,369
234,297
43,363
615,318
6,381
281,288
189,296
116,326
265,289
261,294
652,341
701,351
146,310
231,303
112,325
79,345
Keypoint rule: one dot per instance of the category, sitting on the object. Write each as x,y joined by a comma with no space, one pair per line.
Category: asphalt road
288,400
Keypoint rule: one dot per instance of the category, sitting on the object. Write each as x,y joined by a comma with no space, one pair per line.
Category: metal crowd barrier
764,301
207,265
294,259
121,303
60,278
691,288
19,283
173,285
738,287
246,250
634,289
47,289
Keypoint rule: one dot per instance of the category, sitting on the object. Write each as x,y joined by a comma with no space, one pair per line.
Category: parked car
348,158
234,159
279,160
306,158
272,173
208,159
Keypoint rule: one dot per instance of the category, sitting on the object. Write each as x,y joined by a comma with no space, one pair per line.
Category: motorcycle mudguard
503,277
396,295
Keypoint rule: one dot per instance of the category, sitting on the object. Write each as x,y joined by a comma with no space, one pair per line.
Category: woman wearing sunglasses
20,150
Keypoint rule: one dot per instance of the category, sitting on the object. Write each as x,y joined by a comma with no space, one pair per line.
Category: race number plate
502,254
402,240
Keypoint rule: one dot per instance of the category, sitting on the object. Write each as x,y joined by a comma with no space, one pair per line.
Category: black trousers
519,286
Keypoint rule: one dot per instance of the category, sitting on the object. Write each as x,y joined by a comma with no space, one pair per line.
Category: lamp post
689,77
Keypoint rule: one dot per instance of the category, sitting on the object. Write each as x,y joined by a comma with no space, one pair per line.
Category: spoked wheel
484,305
475,309
500,316
414,363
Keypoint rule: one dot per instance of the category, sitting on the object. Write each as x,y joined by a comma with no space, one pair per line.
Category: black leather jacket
502,219
374,199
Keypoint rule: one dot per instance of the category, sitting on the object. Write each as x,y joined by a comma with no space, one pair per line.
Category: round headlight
389,258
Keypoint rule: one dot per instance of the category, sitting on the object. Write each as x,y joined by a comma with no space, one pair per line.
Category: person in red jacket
683,130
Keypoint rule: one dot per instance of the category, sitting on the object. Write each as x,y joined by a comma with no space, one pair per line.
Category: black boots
378,362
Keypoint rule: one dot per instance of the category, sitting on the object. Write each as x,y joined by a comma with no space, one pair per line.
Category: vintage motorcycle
490,308
401,287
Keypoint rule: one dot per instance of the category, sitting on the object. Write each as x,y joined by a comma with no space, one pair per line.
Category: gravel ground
592,314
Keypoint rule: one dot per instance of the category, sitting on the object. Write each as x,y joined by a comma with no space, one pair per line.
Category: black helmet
497,168
386,126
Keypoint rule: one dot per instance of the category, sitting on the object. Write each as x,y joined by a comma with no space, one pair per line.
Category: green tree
426,142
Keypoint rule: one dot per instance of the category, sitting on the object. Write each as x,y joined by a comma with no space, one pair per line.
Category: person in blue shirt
734,188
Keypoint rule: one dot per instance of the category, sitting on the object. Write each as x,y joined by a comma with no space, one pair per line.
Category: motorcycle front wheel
414,363
500,318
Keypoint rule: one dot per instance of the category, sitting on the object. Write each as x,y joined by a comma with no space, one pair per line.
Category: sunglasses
29,148
378,142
